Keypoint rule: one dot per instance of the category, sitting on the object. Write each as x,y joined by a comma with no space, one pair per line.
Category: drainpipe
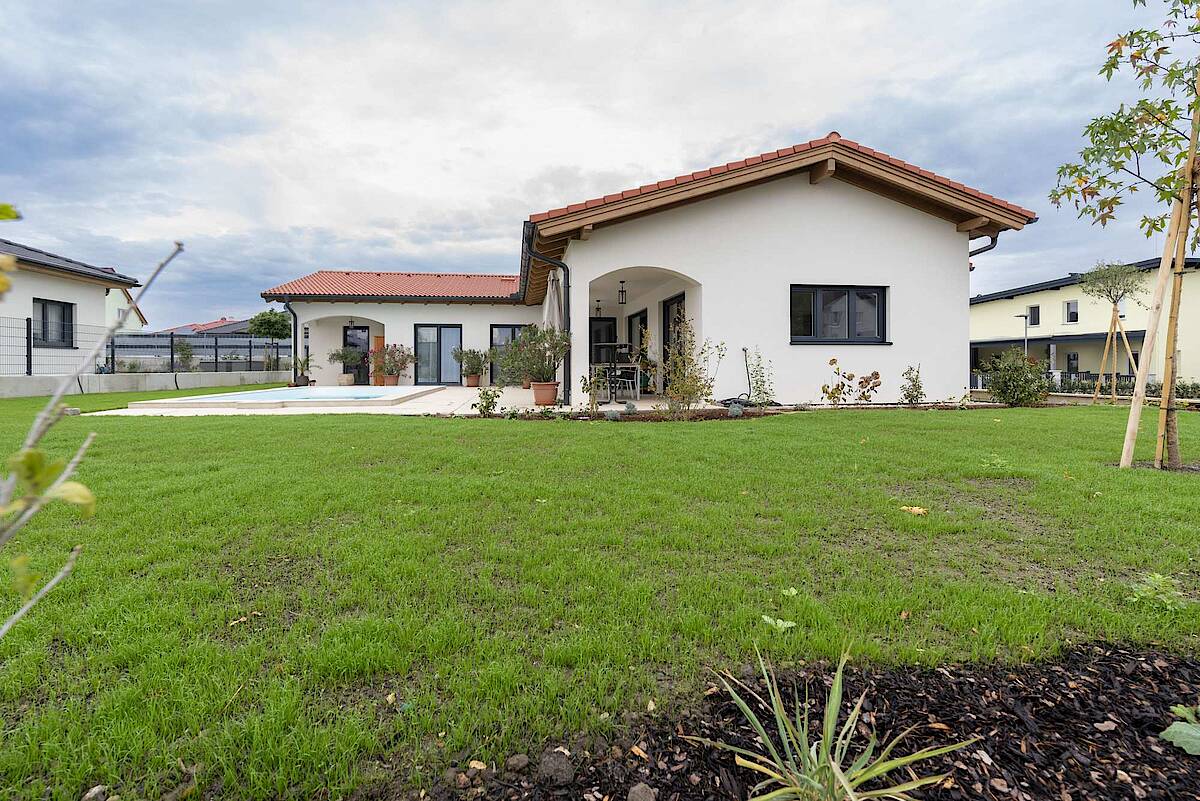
993,240
295,338
527,241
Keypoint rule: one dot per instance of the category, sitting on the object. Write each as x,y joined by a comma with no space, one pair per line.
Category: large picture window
53,324
850,314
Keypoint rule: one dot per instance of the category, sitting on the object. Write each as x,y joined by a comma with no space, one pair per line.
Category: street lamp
1025,317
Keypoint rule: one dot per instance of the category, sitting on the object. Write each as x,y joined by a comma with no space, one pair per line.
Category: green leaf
75,493
23,579
7,212
1183,735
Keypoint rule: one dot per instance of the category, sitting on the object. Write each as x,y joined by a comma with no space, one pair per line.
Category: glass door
602,339
357,337
502,337
435,344
672,311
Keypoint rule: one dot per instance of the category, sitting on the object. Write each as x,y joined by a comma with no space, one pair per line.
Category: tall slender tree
1148,145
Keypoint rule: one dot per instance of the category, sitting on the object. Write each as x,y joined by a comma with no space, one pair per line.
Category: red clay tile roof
196,328
831,137
348,283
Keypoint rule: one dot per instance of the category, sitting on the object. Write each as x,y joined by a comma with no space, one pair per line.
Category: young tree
273,325
1147,146
1114,282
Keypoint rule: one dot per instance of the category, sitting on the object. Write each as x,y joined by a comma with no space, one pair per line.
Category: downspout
527,244
295,338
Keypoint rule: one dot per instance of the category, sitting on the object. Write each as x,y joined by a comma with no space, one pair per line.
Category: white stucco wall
115,303
396,322
17,304
747,248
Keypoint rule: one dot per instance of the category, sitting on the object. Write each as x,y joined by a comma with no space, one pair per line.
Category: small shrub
735,410
1156,589
630,407
612,415
842,388
473,362
762,379
489,399
689,369
912,391
185,357
592,385
1016,380
800,763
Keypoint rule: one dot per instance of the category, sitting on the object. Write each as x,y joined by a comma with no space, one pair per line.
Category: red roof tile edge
374,283
831,137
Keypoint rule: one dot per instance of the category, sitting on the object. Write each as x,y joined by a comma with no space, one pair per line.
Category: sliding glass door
435,344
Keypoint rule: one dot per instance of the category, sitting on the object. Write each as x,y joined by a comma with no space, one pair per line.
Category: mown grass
513,582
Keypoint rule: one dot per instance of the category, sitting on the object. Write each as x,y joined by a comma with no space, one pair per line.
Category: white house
822,250
56,306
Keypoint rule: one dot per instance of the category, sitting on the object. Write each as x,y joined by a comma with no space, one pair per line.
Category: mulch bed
1082,727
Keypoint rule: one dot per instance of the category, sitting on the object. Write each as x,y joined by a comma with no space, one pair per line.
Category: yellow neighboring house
1068,328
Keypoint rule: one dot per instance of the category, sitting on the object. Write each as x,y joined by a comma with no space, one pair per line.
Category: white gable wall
747,248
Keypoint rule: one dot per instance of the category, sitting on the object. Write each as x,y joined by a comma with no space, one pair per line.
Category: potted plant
390,362
512,360
349,358
302,364
473,363
546,349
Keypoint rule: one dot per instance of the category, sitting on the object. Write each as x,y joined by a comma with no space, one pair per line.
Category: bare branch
49,585
1147,181
40,500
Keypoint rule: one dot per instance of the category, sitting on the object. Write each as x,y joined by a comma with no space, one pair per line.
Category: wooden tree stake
1166,401
1108,342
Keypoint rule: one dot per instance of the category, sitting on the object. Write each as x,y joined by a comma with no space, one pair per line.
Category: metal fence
1085,384
30,346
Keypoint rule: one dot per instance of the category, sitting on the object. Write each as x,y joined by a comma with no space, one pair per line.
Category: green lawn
512,582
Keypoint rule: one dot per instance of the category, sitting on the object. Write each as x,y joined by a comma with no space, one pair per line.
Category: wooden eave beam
972,224
822,171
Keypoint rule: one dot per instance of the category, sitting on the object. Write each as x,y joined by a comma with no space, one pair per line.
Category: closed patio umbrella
552,316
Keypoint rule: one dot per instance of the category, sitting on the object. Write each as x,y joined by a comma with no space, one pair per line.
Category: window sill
840,342
53,346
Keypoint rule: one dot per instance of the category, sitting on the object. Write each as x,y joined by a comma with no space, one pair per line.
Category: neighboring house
116,302
822,250
62,303
226,325
1068,328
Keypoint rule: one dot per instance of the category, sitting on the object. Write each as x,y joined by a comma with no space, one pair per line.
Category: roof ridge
422,272
737,164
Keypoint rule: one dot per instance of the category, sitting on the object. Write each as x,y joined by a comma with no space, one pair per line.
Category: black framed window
849,314
1035,315
53,323
502,337
1071,311
434,345
1072,362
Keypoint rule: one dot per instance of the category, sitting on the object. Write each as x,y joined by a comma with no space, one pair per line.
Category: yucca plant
797,768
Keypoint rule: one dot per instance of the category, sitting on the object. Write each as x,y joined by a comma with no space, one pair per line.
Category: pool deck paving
441,401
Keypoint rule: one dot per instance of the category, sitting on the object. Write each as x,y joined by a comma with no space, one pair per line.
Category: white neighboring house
64,304
821,250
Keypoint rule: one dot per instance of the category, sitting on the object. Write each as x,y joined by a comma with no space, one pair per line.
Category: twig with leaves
33,478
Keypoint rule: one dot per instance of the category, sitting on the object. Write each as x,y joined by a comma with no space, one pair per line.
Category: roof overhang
971,212
113,282
297,298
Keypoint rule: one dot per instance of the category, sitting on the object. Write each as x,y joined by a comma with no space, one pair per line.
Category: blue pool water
302,394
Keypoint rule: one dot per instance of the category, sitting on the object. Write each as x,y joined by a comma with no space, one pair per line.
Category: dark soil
1082,727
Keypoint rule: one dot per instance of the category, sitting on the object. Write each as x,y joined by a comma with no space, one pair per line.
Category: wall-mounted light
621,294
599,311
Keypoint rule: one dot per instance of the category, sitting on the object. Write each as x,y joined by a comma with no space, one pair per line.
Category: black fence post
28,346
250,354
172,338
216,353
112,355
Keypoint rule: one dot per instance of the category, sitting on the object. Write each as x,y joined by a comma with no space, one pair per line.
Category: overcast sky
277,138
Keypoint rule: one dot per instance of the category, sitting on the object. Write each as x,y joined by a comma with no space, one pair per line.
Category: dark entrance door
435,346
672,313
602,336
359,338
502,337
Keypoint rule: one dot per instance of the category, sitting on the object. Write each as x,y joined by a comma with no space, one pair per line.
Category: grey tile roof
50,260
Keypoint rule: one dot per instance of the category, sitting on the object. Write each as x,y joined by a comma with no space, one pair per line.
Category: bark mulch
1082,727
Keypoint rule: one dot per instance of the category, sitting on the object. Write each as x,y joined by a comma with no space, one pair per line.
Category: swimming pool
287,397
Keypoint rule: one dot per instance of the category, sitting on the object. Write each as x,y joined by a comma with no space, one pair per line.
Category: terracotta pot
472,381
345,379
545,393
301,381
390,380
525,382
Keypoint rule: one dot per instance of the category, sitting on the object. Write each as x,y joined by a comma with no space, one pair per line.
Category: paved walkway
446,401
